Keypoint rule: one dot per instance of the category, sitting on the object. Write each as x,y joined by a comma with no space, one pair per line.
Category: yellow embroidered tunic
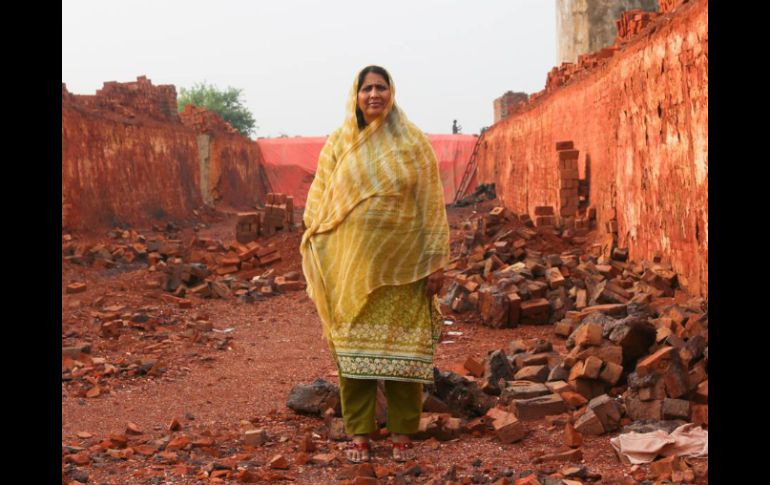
376,228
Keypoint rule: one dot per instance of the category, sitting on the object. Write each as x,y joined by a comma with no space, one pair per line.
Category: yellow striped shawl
375,213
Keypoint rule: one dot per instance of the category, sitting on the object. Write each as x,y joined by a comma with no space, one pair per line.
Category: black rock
463,397
315,398
496,367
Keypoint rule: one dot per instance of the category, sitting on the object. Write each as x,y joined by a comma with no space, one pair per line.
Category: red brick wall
126,172
128,158
235,171
640,121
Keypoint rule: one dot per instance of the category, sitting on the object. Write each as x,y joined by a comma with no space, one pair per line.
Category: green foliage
226,103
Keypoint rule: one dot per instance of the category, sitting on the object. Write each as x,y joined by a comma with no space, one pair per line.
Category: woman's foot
358,449
402,448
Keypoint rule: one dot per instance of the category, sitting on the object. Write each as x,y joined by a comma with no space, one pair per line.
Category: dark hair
376,70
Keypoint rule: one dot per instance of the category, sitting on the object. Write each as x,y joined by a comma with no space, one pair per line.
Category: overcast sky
295,59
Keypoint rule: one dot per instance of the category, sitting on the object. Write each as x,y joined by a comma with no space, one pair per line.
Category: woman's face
373,96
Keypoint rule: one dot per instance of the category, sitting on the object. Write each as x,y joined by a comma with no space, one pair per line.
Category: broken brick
572,437
591,367
534,373
676,409
278,462
573,399
269,259
508,427
637,409
666,466
323,458
608,410
699,414
514,309
535,312
567,456
589,334
555,278
178,443
474,366
611,373
564,328
76,288
538,407
174,425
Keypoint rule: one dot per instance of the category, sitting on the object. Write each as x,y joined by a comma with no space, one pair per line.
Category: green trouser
359,400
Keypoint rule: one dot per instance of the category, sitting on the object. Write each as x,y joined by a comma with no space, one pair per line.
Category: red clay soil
238,376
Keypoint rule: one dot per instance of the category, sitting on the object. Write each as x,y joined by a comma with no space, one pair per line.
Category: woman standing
377,239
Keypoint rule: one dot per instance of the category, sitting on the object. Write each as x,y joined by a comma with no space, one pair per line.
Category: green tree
227,103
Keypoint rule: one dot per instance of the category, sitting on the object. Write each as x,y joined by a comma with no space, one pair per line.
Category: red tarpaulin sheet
290,162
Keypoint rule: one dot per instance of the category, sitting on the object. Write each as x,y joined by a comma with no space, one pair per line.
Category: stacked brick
545,216
247,227
632,22
568,182
561,75
278,214
204,121
133,100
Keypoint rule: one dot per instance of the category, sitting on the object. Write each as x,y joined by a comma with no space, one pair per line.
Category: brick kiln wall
639,117
117,171
127,157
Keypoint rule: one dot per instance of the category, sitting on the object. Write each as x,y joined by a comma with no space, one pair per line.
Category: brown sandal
360,446
402,446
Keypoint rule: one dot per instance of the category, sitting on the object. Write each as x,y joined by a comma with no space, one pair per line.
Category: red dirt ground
215,386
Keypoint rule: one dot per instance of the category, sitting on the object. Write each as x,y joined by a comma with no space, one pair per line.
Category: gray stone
496,367
314,398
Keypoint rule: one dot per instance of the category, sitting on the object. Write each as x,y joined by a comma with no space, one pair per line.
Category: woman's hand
435,280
